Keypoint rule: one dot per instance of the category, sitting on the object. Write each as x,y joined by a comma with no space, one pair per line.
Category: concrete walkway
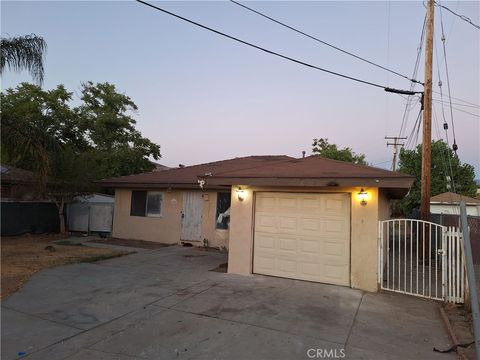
166,304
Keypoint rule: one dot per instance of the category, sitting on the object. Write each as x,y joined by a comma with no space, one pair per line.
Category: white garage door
303,236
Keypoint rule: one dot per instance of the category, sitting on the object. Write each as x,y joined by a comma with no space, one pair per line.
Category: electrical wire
458,99
410,143
439,136
406,113
324,42
386,88
454,145
458,104
463,17
447,163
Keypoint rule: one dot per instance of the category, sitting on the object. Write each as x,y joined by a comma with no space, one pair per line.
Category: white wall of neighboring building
472,210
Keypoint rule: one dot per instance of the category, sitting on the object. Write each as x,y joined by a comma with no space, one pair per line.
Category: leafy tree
443,157
322,147
70,147
23,53
120,149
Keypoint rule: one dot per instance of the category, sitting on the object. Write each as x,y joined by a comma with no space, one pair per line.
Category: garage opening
303,236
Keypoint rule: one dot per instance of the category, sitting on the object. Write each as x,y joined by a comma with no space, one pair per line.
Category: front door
192,216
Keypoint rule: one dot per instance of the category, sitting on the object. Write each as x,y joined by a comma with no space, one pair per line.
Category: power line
447,165
454,145
463,17
459,104
407,110
465,112
270,51
458,99
324,42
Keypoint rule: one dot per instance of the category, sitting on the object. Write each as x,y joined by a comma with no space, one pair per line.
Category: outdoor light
240,194
363,196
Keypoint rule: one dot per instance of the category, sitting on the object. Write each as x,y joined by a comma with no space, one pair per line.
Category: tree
445,164
119,147
24,53
71,147
322,147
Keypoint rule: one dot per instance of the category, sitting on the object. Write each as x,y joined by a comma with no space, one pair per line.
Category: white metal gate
421,258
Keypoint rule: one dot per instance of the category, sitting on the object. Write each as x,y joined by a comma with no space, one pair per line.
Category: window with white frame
146,203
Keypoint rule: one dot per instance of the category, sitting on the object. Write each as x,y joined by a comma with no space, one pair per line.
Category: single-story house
17,184
22,209
448,202
311,218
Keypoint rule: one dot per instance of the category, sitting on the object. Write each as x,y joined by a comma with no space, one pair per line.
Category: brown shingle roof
15,175
188,176
313,171
449,198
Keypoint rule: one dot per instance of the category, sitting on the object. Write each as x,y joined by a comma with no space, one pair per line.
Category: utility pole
395,145
427,117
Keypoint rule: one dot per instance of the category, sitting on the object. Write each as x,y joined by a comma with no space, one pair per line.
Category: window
223,210
146,203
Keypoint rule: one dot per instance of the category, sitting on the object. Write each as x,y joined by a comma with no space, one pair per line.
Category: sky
204,98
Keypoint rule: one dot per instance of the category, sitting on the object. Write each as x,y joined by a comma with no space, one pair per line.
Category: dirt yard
23,256
130,243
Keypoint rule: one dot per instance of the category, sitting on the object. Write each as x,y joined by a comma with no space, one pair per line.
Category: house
17,184
22,209
311,218
447,203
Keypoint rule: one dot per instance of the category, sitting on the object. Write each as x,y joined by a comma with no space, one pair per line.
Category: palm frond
23,53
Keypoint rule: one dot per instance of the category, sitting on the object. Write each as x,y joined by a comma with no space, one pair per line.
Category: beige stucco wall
164,229
167,228
364,232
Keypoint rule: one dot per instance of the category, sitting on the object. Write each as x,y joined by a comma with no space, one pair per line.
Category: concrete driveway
166,304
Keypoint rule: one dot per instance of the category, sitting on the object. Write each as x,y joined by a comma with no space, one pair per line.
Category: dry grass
23,256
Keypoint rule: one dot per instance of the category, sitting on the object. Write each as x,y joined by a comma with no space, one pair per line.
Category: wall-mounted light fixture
363,196
240,194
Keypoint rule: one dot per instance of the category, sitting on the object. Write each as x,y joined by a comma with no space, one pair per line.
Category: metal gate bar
421,258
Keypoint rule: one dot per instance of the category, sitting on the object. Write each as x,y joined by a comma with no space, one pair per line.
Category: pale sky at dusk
205,98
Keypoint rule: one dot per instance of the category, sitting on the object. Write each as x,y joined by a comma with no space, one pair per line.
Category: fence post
471,277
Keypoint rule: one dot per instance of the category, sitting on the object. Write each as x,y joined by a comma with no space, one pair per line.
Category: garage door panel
334,248
287,224
303,236
310,224
266,223
309,246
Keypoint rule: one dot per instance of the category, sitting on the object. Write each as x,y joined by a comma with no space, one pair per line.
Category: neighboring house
478,187
447,203
22,210
311,218
17,184
92,213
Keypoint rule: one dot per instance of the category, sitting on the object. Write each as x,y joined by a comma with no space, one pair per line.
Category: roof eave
399,182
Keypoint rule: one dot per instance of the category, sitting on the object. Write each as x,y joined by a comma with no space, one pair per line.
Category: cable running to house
463,17
386,88
324,42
